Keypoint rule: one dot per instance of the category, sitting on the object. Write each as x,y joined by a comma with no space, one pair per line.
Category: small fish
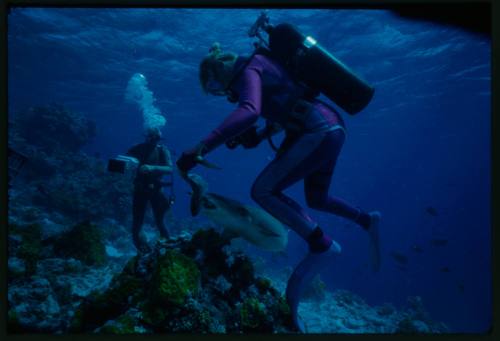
461,287
417,249
399,257
439,242
445,269
432,211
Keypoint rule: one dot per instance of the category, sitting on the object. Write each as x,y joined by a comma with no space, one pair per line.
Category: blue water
424,140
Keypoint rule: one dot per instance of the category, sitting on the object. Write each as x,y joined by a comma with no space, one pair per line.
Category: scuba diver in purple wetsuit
314,135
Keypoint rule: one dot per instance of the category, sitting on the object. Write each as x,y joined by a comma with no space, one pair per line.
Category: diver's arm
244,115
165,168
161,169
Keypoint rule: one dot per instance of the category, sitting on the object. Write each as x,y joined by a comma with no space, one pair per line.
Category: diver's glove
191,157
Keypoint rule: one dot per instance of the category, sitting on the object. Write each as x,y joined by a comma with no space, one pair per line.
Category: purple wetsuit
265,89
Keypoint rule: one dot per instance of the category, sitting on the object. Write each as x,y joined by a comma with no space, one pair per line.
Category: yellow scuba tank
311,64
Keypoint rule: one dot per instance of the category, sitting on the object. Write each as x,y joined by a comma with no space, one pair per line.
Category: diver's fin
302,276
373,233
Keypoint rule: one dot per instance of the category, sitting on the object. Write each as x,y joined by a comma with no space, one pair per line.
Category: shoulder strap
260,50
161,157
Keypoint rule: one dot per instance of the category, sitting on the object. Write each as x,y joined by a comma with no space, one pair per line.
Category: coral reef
62,179
174,279
182,292
88,237
53,126
192,283
25,243
72,266
315,290
344,312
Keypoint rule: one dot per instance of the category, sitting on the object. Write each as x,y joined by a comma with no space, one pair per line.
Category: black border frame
493,333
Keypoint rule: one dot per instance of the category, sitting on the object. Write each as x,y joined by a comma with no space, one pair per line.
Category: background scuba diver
315,133
154,162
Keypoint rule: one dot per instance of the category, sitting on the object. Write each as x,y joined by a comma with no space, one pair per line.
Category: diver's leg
138,211
316,187
160,205
305,156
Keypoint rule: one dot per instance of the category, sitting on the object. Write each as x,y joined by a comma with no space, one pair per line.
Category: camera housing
123,164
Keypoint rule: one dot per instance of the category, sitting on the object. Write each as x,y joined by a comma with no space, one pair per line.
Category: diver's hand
190,158
250,138
186,162
233,143
145,169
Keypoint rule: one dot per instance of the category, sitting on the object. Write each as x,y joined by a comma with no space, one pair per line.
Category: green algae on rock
175,278
31,245
89,246
254,316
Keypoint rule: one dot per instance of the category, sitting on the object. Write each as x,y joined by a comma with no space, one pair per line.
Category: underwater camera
123,164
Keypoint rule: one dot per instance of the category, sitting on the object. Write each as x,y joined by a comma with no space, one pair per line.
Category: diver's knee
315,202
257,193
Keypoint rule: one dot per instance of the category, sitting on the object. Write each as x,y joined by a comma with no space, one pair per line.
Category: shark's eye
208,204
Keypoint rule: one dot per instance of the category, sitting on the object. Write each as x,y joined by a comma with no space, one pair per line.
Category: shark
238,220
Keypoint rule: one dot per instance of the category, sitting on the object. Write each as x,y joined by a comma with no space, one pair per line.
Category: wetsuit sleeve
244,115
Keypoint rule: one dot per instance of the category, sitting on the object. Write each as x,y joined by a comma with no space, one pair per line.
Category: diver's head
152,135
216,70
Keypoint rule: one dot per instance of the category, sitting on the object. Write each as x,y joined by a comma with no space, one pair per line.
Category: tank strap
259,50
